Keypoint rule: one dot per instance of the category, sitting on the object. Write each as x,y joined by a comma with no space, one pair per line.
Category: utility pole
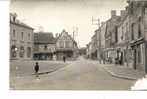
75,32
98,37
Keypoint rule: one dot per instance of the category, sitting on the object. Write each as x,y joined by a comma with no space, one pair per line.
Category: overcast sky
56,15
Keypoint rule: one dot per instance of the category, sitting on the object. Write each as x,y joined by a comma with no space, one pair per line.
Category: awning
137,42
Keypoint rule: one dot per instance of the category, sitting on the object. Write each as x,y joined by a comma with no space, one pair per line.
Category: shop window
13,51
21,54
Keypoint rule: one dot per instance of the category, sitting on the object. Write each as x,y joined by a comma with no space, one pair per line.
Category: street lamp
16,49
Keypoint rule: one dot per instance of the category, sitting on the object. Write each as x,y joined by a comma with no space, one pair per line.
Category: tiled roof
44,37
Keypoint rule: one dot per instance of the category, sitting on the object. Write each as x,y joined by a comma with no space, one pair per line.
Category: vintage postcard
78,45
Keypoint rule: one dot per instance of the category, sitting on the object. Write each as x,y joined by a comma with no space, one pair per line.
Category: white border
4,74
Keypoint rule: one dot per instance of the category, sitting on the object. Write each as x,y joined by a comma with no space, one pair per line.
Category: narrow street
79,75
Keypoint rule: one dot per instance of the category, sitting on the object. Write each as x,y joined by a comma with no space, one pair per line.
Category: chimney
14,15
122,14
113,13
127,9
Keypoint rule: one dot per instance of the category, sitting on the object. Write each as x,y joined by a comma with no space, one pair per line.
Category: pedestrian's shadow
42,73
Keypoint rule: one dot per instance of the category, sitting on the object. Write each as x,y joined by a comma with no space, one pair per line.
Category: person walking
36,69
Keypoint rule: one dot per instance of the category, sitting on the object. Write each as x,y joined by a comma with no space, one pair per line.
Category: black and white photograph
84,45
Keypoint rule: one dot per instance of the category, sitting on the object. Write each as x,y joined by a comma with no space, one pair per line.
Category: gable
64,36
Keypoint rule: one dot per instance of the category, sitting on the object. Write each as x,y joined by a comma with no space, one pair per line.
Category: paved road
79,75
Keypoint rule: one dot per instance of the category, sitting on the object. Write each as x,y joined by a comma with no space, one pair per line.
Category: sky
56,15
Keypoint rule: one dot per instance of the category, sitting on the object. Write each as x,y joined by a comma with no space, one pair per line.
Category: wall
18,41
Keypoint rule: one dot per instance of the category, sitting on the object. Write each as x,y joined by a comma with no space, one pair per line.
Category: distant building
124,53
66,46
102,41
21,39
82,51
88,50
94,46
111,36
44,46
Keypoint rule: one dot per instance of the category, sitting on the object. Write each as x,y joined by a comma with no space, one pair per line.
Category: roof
19,23
44,38
67,35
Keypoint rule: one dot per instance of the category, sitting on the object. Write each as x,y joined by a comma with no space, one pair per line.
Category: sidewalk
26,68
123,72
22,72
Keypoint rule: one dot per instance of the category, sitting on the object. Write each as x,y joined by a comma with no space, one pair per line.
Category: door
134,59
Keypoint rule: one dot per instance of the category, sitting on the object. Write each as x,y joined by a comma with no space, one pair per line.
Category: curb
54,70
119,76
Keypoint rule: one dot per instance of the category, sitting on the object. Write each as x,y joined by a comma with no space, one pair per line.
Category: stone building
124,54
111,36
88,50
66,46
44,46
137,34
94,46
21,39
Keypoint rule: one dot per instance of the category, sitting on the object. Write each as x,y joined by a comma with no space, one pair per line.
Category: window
139,28
14,33
21,54
126,33
139,54
132,33
122,35
29,36
61,44
116,35
22,35
14,18
67,44
13,51
28,52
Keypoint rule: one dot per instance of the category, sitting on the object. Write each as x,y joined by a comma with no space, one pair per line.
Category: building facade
66,46
101,42
137,36
44,46
111,36
94,46
88,50
21,40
